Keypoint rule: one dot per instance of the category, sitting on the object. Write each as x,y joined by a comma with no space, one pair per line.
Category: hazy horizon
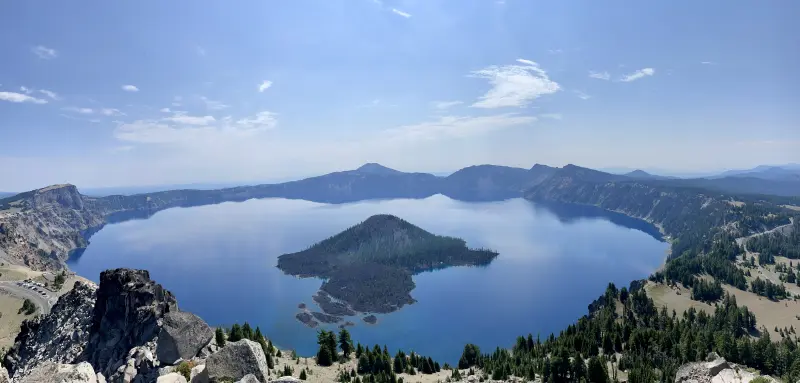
265,91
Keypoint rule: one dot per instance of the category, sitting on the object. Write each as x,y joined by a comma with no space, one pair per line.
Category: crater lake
220,262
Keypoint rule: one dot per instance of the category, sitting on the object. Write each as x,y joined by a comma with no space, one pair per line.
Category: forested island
368,267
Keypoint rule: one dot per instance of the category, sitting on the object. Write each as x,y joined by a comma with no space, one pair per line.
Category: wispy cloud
264,86
454,127
552,116
708,63
20,98
600,75
25,90
111,112
372,104
50,94
582,95
556,51
200,50
401,13
165,110
445,104
44,52
121,149
261,121
641,73
184,130
185,119
130,88
514,85
75,109
213,105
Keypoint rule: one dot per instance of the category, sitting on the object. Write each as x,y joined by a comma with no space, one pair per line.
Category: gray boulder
50,372
4,375
172,377
199,374
236,360
286,379
182,336
249,378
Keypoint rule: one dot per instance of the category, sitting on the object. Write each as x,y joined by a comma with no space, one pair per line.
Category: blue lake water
219,260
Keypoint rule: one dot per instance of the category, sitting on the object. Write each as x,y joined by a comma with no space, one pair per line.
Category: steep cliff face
126,329
40,228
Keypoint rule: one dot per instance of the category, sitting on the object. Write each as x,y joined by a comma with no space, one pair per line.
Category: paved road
45,303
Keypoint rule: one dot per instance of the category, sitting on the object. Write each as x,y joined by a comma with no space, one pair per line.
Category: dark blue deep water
219,260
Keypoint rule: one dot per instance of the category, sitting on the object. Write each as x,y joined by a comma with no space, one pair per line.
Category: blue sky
100,93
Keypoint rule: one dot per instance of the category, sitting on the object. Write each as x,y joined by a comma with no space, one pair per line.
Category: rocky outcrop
715,370
236,360
127,314
58,337
119,328
183,335
50,372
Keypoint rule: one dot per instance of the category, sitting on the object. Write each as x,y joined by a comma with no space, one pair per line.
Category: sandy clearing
792,207
10,321
768,313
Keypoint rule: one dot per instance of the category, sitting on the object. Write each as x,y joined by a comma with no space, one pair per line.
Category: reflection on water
220,260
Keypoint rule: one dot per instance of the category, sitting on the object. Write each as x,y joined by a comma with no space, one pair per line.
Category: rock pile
715,370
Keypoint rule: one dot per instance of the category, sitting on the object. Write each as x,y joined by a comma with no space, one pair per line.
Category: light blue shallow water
219,260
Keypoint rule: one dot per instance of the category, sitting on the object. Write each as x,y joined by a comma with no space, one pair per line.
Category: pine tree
219,337
596,372
359,350
247,332
236,333
303,374
345,342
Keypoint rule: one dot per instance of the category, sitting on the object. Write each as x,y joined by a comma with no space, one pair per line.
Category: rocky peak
374,168
65,195
127,314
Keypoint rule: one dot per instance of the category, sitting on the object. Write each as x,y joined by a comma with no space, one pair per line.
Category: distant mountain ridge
40,228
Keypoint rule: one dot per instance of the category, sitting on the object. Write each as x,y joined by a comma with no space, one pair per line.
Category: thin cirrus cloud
51,94
20,98
185,119
264,86
514,85
639,74
401,13
130,88
458,127
111,112
600,75
445,104
44,52
212,104
552,116
78,110
582,95
178,129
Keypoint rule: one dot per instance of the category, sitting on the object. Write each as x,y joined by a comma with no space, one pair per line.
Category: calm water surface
220,262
